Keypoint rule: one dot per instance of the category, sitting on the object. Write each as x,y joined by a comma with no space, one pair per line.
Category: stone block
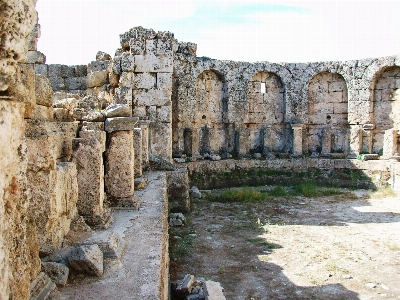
123,95
127,62
164,114
96,66
81,70
128,203
150,97
213,290
41,287
35,57
161,140
139,111
87,259
92,126
118,110
126,79
41,69
120,123
116,65
97,79
151,46
110,243
153,63
164,46
119,178
185,286
137,45
88,157
178,191
43,91
43,113
145,80
57,272
164,80
102,56
57,83
76,83
137,145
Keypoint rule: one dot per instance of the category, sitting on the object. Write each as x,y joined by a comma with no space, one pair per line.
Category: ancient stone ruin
78,142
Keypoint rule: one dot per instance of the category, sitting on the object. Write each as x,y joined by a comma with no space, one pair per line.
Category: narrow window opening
263,88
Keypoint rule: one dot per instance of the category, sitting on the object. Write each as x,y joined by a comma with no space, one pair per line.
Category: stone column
390,143
297,139
119,178
368,131
188,141
243,142
355,141
137,147
326,141
88,156
144,125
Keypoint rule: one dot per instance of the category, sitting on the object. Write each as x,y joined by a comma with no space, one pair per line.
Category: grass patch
383,193
242,195
278,191
307,189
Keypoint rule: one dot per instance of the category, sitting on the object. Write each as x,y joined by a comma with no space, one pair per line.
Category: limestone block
98,65
164,46
355,140
390,143
81,70
139,111
123,95
102,56
33,36
43,91
76,83
178,191
43,113
145,80
97,79
63,115
164,114
118,110
92,126
56,70
119,178
127,62
35,57
151,46
149,97
58,273
126,79
145,141
152,113
137,145
41,69
116,65
87,259
161,140
153,63
110,243
120,123
57,83
113,79
213,290
164,80
137,45
41,287
88,156
243,142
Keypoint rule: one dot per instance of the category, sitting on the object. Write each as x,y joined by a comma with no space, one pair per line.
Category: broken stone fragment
102,56
195,193
43,91
41,287
186,285
213,290
176,219
215,157
35,57
110,243
87,259
97,79
57,272
120,123
95,116
141,183
118,110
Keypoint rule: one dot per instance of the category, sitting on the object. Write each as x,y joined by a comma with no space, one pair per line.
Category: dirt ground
343,246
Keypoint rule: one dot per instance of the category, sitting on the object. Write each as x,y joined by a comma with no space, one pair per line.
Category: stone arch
266,112
327,114
210,111
386,109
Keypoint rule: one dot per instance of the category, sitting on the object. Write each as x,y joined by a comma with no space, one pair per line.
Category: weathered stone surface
102,56
178,191
120,123
119,178
137,145
118,110
57,272
97,78
194,192
87,259
213,290
35,57
43,91
141,183
41,287
185,286
110,243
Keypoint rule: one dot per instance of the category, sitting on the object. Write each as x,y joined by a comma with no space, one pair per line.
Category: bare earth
338,247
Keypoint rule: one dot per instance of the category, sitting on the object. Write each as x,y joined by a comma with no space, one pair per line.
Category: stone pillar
297,139
88,156
119,178
355,141
368,131
243,142
137,147
144,125
188,141
390,143
326,141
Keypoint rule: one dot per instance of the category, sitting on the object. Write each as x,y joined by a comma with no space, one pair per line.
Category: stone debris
369,156
195,193
110,243
190,288
41,287
176,219
213,290
118,110
57,272
141,183
87,259
102,56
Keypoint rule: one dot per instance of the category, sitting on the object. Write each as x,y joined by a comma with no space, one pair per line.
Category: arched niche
386,107
327,114
266,113
209,115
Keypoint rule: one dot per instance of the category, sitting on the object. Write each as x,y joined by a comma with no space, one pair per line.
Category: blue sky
277,31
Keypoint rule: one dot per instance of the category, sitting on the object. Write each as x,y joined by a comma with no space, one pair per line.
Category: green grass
242,195
278,191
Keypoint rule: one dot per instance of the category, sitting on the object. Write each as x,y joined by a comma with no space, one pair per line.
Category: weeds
243,195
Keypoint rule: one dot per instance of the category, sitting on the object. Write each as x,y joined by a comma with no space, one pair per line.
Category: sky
72,31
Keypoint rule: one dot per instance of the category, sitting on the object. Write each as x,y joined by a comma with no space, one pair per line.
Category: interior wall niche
327,114
386,105
266,113
210,112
